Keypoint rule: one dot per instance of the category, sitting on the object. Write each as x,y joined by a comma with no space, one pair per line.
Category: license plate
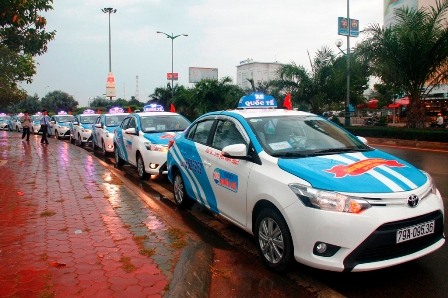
416,231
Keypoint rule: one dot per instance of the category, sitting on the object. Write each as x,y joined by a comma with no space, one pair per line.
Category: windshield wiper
289,154
338,150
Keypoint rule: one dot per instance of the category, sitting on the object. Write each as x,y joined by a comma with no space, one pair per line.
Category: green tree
59,101
411,54
22,36
162,96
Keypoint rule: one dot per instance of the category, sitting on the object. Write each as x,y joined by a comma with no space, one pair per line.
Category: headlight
328,200
155,147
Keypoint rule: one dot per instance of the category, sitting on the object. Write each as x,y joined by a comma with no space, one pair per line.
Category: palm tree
411,54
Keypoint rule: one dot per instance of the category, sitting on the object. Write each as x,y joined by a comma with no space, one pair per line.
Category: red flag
99,112
69,112
129,110
287,102
172,109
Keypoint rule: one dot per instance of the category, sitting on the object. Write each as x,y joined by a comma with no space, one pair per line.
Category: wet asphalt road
423,277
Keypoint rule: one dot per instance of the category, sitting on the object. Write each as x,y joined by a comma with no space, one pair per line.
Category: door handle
207,164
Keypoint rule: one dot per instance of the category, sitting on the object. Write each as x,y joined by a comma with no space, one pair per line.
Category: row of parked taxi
303,186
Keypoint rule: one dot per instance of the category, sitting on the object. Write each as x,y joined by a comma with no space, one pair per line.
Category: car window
98,121
226,134
114,120
125,123
132,123
200,132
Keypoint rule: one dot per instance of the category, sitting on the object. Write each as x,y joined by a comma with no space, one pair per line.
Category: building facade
260,72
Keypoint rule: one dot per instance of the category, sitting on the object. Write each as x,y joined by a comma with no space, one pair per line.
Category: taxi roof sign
88,111
153,108
116,110
3,114
257,100
62,113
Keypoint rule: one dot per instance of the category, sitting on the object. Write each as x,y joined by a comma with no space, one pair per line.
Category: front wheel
180,195
57,134
118,160
141,168
273,239
103,149
79,141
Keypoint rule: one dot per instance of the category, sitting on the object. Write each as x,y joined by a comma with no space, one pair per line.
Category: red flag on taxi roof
69,112
172,109
287,102
129,110
99,112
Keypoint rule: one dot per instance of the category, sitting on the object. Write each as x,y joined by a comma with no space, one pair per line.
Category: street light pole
172,37
347,101
109,10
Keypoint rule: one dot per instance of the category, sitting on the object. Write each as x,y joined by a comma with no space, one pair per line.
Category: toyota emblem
413,201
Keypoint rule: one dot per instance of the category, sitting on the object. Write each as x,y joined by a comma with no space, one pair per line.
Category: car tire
273,240
103,149
17,129
72,140
95,146
141,168
180,195
79,141
57,134
118,160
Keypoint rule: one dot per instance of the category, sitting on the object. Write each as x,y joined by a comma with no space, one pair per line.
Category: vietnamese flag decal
287,102
99,112
360,167
172,109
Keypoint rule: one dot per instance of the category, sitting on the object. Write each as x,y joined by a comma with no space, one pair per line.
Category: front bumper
155,162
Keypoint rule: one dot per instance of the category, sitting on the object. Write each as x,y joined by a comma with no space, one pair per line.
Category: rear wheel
141,168
118,160
273,239
180,195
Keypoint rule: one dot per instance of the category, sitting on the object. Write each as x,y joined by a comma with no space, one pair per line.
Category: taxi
306,188
60,125
81,127
142,139
14,123
4,118
103,129
35,119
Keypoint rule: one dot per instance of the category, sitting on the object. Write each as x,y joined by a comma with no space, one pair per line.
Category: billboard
197,74
110,86
391,5
343,27
172,76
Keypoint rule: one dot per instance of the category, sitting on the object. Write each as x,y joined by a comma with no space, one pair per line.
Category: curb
409,143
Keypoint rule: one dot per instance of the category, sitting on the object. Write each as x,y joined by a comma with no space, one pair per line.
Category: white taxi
142,139
60,125
4,118
104,127
81,127
306,188
35,119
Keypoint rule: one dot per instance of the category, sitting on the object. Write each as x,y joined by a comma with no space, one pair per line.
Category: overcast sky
220,35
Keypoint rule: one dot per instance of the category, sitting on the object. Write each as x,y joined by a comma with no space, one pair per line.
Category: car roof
114,114
250,113
155,114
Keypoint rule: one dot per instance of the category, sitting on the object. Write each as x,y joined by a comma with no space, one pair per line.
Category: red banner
360,167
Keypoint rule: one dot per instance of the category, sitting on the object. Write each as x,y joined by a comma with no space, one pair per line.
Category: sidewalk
69,227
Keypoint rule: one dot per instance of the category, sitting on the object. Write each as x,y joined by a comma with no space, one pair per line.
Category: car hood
64,123
367,172
87,126
160,137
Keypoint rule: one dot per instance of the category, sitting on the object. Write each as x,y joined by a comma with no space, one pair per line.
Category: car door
96,131
130,141
228,177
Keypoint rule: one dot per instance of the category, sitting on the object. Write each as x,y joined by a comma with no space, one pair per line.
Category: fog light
110,146
321,248
153,165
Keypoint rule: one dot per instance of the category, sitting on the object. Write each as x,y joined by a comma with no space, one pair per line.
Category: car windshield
4,118
35,118
302,136
90,119
163,123
114,120
67,118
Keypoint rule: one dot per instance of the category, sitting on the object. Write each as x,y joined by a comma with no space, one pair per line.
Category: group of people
27,124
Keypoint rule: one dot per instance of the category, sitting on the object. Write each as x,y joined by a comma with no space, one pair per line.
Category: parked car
15,124
81,127
142,139
4,121
36,123
306,188
60,125
104,127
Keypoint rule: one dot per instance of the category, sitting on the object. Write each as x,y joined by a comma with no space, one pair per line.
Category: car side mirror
362,139
130,131
235,151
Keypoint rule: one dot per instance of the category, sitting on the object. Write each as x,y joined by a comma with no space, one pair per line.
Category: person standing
44,122
439,120
26,126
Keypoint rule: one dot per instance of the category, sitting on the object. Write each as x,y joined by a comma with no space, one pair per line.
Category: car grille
381,245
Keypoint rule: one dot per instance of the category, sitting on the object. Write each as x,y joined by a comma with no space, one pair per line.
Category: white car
142,139
306,188
4,121
15,123
81,127
36,123
60,125
103,130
